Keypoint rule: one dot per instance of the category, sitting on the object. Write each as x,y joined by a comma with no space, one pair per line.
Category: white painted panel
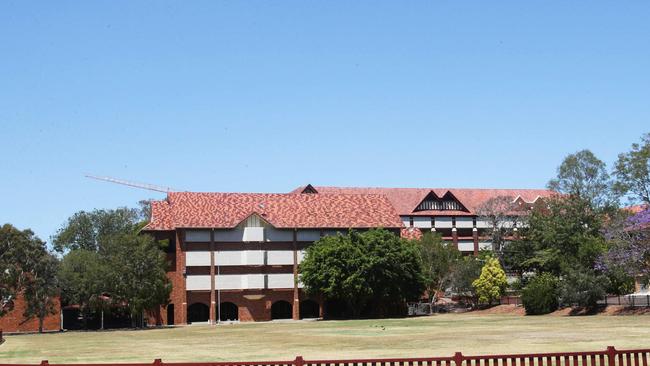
254,281
308,235
197,235
228,257
485,245
278,257
239,257
406,221
422,222
229,282
464,222
197,259
283,280
483,224
230,235
253,257
466,246
301,255
272,234
197,282
253,234
443,222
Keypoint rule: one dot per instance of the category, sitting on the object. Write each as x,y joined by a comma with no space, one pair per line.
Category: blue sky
265,96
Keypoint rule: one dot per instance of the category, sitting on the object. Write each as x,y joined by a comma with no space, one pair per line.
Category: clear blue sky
269,95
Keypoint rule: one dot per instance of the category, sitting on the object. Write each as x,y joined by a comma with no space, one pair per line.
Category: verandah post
611,356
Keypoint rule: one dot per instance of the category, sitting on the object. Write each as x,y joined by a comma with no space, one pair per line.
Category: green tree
13,246
27,268
540,296
439,260
503,217
358,268
394,269
564,233
585,176
466,271
87,230
632,171
41,288
83,280
106,258
583,288
492,282
137,275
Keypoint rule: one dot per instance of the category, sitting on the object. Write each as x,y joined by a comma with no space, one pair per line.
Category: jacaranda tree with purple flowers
629,246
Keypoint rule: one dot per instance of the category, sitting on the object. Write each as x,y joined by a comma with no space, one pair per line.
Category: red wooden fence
609,357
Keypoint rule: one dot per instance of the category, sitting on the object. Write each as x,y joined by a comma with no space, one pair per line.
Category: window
447,203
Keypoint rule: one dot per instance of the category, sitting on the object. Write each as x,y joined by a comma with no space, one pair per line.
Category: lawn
437,335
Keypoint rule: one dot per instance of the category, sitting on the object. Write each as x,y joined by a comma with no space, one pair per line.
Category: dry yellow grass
436,335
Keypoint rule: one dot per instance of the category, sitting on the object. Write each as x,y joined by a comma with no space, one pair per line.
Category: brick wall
14,322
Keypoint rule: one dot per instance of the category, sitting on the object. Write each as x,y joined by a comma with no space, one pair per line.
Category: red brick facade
15,322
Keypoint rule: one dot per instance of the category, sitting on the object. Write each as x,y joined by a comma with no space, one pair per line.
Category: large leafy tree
87,230
83,278
41,289
629,249
27,267
108,262
439,260
503,217
632,171
466,271
136,274
14,244
564,233
585,176
358,268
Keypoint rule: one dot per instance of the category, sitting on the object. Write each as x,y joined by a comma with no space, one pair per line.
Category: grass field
438,335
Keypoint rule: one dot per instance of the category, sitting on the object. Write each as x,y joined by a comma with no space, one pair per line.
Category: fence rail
609,357
627,300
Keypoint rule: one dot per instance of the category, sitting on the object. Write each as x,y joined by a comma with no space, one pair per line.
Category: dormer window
447,203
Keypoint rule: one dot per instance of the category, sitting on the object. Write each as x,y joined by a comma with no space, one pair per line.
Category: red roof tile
405,200
227,210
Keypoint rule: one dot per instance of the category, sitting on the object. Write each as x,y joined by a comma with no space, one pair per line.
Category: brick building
234,256
15,322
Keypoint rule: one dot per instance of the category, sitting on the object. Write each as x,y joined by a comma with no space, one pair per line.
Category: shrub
491,283
583,288
540,295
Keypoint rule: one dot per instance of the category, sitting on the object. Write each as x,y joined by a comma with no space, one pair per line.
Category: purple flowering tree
630,245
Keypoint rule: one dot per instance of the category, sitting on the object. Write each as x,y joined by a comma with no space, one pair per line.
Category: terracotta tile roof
412,233
227,210
405,200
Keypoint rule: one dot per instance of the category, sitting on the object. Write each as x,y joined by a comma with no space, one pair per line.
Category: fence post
299,361
44,362
611,356
458,358
157,362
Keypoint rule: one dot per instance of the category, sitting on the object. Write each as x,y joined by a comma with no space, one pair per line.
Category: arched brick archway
229,311
281,310
198,312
